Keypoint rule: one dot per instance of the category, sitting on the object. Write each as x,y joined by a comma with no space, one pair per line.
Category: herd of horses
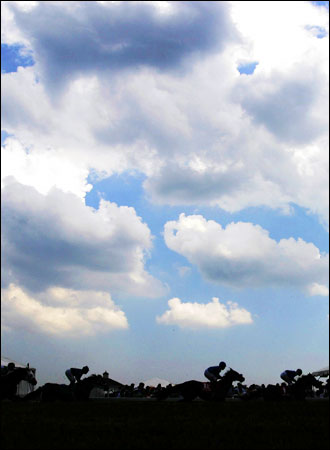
188,391
218,391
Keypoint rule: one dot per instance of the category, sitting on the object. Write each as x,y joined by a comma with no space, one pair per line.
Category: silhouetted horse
189,390
51,392
296,391
10,381
300,388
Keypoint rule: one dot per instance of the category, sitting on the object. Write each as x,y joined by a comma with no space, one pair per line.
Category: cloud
199,315
190,185
293,106
318,289
94,36
10,32
206,136
43,169
243,255
55,240
60,312
274,50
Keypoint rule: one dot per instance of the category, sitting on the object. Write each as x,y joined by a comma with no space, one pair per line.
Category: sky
165,187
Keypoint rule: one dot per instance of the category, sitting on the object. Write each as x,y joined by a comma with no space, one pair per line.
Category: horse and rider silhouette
49,391
296,391
188,390
80,390
214,391
10,381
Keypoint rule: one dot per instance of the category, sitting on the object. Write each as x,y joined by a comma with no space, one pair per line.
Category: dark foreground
101,424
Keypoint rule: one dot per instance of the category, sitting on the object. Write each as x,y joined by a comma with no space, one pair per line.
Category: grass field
101,424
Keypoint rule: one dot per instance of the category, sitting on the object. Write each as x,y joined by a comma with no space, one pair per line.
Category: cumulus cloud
95,36
243,255
42,169
55,239
205,136
61,312
281,51
318,289
200,315
292,107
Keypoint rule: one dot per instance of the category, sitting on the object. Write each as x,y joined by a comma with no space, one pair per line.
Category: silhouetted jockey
6,370
289,375
74,374
213,373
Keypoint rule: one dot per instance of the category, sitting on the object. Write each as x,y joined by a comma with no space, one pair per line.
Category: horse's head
313,381
232,375
23,374
30,377
307,381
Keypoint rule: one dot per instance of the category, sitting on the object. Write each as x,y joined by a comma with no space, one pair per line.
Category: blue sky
165,187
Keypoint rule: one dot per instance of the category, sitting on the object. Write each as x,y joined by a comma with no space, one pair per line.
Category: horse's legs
189,395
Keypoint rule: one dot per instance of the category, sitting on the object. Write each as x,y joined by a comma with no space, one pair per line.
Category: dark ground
131,424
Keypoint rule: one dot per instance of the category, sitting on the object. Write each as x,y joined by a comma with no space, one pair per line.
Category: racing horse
296,391
10,381
299,390
51,392
217,391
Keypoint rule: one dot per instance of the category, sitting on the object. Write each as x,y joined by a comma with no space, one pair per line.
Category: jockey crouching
289,376
74,374
213,373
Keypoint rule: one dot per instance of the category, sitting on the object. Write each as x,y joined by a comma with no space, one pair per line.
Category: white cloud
61,312
243,255
55,239
318,289
10,33
199,315
259,24
42,169
202,134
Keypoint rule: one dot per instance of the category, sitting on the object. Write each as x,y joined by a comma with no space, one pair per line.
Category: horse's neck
86,384
17,375
226,381
13,377
303,381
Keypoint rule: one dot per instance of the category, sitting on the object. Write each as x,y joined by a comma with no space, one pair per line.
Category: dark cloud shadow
86,37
